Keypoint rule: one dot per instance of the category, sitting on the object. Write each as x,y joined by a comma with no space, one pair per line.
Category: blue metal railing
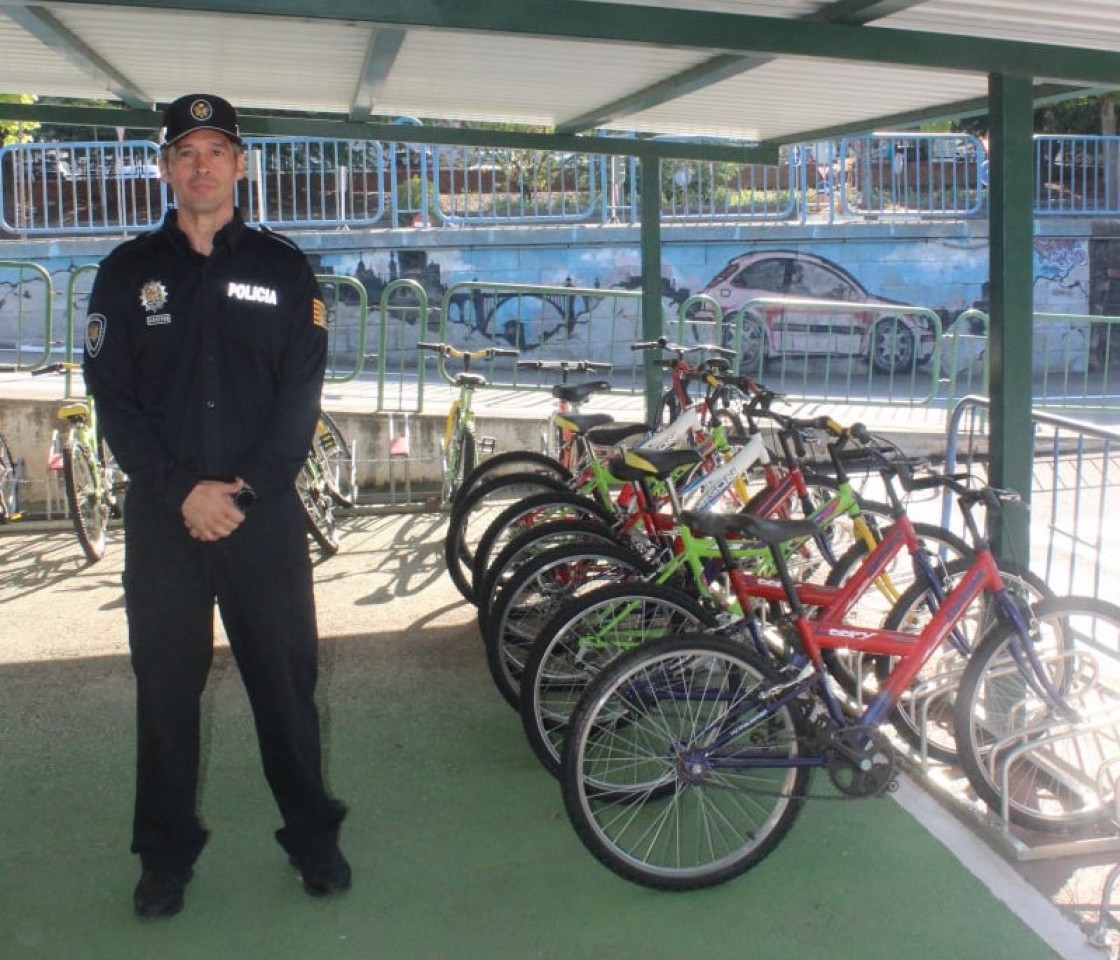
60,189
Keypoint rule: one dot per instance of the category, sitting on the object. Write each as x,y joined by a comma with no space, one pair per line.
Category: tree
16,131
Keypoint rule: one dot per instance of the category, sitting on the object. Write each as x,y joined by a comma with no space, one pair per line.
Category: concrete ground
459,841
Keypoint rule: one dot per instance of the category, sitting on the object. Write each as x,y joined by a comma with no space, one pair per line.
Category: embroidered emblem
319,313
159,319
201,110
153,296
95,333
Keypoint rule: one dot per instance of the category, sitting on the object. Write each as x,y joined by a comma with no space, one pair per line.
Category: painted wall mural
946,273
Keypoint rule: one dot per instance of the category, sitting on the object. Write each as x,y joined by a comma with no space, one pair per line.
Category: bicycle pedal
486,445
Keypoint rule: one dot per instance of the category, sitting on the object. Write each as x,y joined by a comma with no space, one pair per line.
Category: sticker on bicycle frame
319,313
153,296
95,333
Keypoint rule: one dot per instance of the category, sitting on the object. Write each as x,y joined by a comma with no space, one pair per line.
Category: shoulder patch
95,333
319,313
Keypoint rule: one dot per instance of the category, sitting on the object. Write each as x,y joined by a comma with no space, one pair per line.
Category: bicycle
558,456
588,438
337,462
9,485
586,633
688,759
460,446
317,485
94,483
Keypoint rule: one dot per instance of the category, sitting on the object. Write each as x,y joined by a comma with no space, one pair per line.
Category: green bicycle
460,448
93,481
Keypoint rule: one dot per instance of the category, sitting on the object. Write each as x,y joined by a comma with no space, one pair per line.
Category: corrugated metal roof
655,66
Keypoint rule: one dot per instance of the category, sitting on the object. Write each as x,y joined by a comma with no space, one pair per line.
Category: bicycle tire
330,446
318,507
536,592
9,484
658,812
510,461
924,715
524,515
529,544
89,510
470,518
461,459
1054,785
584,636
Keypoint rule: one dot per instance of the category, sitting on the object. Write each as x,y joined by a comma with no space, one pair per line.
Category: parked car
889,342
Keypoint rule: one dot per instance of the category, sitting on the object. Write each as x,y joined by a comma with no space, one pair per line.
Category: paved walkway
459,841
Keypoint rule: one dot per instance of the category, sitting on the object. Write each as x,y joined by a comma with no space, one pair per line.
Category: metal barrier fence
932,176
63,189
1075,488
92,187
26,309
1077,175
804,347
1074,359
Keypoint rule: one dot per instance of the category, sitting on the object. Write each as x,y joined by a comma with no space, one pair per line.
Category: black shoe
160,891
324,871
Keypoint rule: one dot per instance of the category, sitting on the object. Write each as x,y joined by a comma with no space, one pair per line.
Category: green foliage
16,131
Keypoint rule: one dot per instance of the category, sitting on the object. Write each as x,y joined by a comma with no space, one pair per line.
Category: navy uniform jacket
207,367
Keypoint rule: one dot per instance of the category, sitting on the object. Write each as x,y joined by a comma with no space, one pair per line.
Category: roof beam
975,107
384,47
47,29
252,124
691,29
723,67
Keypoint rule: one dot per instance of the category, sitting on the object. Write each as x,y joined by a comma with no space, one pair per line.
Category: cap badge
153,296
201,110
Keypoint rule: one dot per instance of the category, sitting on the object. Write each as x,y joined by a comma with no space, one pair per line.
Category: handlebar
663,343
567,366
446,350
59,366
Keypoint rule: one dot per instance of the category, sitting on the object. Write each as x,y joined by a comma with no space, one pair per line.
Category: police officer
205,351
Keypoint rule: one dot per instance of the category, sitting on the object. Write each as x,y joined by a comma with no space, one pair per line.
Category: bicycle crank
862,762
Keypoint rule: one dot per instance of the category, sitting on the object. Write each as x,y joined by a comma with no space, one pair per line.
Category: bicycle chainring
862,762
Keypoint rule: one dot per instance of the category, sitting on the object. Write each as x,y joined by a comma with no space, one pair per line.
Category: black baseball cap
198,111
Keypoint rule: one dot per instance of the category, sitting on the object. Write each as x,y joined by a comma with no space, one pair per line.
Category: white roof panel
680,67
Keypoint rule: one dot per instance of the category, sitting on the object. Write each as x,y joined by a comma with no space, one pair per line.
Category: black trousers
261,579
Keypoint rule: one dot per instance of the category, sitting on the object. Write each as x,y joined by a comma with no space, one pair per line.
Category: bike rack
1017,746
400,451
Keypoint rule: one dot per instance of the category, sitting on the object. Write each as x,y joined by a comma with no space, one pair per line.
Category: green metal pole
1011,234
649,176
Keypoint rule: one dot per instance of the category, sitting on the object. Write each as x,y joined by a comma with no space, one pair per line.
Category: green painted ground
458,839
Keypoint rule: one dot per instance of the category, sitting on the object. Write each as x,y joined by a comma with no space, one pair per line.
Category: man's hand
209,512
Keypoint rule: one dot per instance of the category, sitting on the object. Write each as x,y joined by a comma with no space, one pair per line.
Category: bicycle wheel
1038,719
9,486
461,458
330,446
318,505
924,715
583,637
472,515
511,461
535,593
676,774
524,515
89,509
531,543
